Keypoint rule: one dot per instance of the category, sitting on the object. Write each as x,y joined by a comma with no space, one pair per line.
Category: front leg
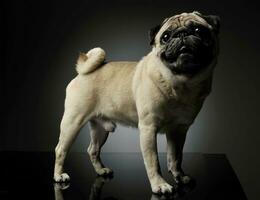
175,142
149,151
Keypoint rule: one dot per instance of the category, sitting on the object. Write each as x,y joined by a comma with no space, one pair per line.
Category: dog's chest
184,106
181,114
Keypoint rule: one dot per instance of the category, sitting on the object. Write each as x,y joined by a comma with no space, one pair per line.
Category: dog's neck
179,87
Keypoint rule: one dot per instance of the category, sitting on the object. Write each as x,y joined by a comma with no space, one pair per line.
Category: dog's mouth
184,59
182,52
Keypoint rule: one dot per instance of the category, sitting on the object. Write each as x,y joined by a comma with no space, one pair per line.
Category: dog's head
186,43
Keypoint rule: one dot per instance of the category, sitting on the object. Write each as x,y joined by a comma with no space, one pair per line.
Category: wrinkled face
186,43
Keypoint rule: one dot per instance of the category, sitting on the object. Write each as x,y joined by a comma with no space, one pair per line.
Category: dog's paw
104,171
186,179
60,178
61,186
162,188
183,179
103,179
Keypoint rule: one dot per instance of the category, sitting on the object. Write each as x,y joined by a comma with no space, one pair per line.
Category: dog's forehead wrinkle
178,21
185,18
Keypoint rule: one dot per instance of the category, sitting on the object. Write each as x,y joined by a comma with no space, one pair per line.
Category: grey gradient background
43,39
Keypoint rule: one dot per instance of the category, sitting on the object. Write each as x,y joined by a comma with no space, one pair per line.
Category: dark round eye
201,31
165,37
197,30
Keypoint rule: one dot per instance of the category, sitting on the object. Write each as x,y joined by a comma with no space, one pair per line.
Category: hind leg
98,134
70,126
77,111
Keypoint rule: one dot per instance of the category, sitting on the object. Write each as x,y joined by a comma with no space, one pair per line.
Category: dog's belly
127,119
115,95
121,108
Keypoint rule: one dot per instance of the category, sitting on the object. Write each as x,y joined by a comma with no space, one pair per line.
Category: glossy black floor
28,175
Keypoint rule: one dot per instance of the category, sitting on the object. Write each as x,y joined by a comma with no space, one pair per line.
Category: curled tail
90,61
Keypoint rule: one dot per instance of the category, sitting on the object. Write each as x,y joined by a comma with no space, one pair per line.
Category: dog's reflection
96,189
97,186
180,193
58,187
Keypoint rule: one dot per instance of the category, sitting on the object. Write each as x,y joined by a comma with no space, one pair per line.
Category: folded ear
152,33
213,20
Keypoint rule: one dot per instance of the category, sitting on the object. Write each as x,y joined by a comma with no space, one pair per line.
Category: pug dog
162,93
